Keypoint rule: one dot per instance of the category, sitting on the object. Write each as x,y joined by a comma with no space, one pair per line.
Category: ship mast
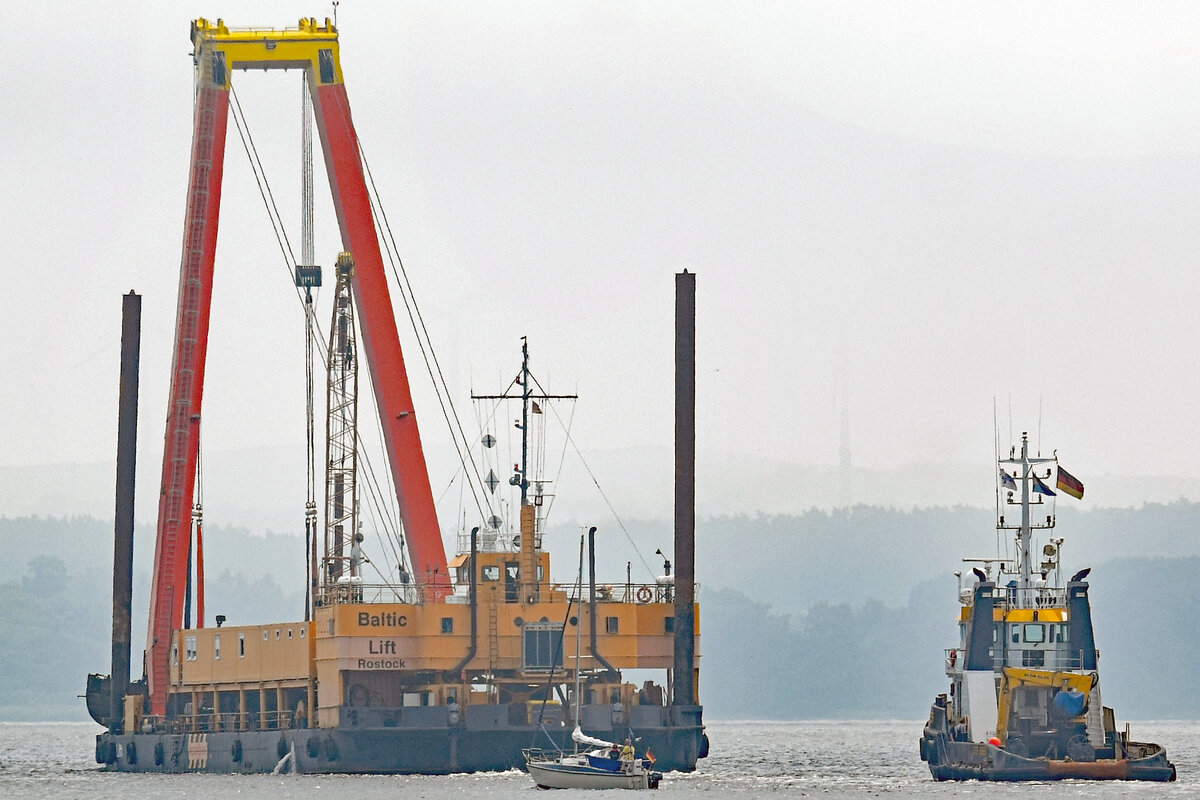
529,539
1026,476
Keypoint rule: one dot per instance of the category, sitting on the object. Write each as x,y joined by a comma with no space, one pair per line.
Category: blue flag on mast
1007,481
1042,488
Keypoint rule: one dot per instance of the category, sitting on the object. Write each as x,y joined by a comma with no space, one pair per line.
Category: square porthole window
669,624
266,635
611,624
447,624
302,633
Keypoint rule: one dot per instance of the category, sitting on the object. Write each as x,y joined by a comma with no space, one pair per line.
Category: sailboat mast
578,634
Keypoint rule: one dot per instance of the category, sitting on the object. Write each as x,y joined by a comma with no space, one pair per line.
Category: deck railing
1047,659
214,722
638,593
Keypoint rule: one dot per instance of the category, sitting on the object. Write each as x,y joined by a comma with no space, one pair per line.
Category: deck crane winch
312,47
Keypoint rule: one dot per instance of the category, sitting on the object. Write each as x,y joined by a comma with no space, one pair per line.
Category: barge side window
217,647
241,645
1035,633
490,572
541,646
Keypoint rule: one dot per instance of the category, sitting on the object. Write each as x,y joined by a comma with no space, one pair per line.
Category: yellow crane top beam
219,49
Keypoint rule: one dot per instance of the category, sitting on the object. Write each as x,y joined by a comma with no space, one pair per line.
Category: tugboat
1024,701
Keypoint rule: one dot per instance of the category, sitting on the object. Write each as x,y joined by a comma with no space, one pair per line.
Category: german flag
1070,484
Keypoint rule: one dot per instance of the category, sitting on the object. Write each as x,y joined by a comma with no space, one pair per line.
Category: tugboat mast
1025,475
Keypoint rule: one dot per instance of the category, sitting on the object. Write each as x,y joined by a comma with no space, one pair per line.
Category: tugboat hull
964,761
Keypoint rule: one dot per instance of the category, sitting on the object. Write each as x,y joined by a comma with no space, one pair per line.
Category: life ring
644,594
953,657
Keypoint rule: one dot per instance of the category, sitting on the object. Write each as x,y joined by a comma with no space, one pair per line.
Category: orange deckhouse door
218,50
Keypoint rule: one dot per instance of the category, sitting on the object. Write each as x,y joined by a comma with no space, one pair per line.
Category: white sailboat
605,765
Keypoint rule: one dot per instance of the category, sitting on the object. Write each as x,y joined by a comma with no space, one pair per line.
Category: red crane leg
182,438
381,340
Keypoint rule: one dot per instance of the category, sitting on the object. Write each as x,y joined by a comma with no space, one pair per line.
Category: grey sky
979,200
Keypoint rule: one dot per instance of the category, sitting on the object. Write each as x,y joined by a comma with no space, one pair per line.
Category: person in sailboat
627,756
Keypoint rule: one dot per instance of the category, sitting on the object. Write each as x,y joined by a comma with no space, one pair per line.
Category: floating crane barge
456,669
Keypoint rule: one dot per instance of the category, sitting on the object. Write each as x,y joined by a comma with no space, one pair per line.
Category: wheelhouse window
490,572
1034,633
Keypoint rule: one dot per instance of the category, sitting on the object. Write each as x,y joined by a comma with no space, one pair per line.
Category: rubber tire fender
235,752
331,749
281,749
313,747
160,754
703,746
131,753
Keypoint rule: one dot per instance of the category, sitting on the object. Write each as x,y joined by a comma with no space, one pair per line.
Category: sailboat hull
552,775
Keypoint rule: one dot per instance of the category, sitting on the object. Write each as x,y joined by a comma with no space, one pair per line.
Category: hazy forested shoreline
841,614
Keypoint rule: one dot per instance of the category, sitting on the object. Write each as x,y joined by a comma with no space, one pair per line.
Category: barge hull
400,751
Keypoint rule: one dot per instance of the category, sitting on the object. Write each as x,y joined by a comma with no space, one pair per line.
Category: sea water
826,759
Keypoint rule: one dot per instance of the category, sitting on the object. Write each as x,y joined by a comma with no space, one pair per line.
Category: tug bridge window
1035,633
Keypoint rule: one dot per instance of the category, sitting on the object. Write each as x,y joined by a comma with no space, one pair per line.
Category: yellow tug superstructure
435,665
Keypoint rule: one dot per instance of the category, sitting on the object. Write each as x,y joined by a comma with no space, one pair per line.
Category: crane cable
416,319
285,248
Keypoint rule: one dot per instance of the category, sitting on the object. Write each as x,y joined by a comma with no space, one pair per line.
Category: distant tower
845,476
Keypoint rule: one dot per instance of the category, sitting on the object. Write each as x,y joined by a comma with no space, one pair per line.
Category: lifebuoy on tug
644,594
953,658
